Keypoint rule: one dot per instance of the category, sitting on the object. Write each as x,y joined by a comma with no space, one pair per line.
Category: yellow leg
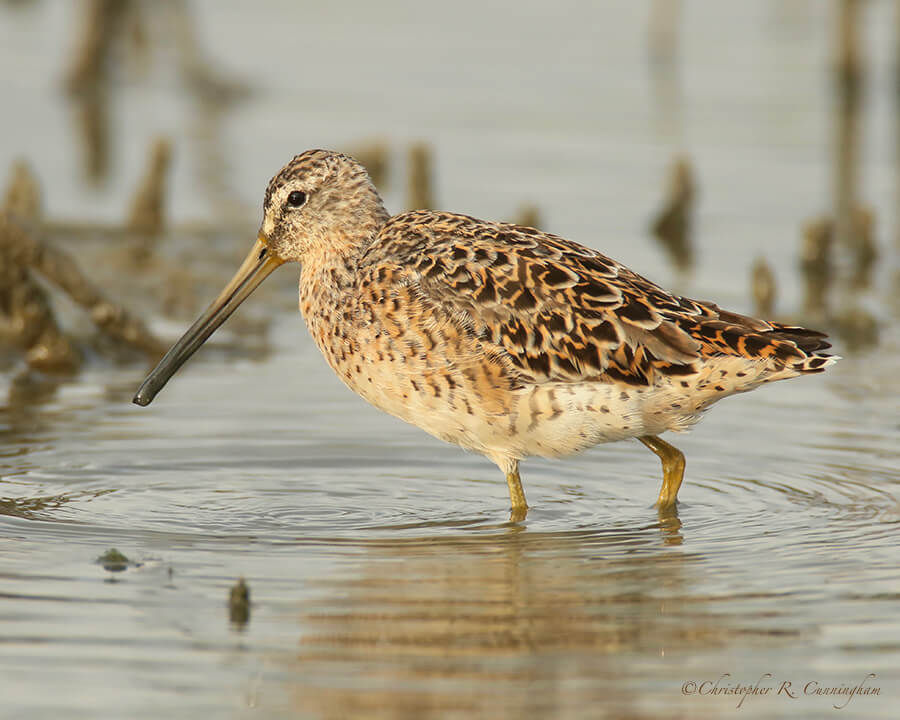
519,507
673,470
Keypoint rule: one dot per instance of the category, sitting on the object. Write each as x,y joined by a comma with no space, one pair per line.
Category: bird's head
321,204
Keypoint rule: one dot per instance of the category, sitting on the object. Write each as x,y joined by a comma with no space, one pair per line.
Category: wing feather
557,311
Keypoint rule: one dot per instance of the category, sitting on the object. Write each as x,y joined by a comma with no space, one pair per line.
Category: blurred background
746,153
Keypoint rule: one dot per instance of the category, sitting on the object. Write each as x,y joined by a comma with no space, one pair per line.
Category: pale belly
444,383
549,420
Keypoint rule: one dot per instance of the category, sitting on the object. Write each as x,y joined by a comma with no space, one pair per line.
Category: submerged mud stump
420,190
23,253
146,217
23,198
817,265
528,216
374,157
28,321
239,603
672,226
762,282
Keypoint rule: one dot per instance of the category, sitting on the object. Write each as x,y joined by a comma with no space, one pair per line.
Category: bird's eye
296,198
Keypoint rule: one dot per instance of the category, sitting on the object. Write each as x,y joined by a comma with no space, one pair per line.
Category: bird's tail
809,343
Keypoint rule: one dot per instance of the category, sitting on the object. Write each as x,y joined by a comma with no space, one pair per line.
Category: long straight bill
257,266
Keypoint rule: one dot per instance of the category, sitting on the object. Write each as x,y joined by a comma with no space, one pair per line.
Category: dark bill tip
144,396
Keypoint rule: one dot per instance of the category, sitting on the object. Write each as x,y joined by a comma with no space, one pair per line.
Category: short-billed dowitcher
499,338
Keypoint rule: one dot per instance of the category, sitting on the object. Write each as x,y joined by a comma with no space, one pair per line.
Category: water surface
386,579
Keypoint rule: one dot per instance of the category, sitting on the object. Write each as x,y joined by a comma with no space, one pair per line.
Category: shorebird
499,338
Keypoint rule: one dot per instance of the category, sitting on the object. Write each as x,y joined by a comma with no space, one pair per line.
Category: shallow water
385,576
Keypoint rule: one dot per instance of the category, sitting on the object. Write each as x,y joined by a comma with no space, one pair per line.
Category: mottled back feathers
556,311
